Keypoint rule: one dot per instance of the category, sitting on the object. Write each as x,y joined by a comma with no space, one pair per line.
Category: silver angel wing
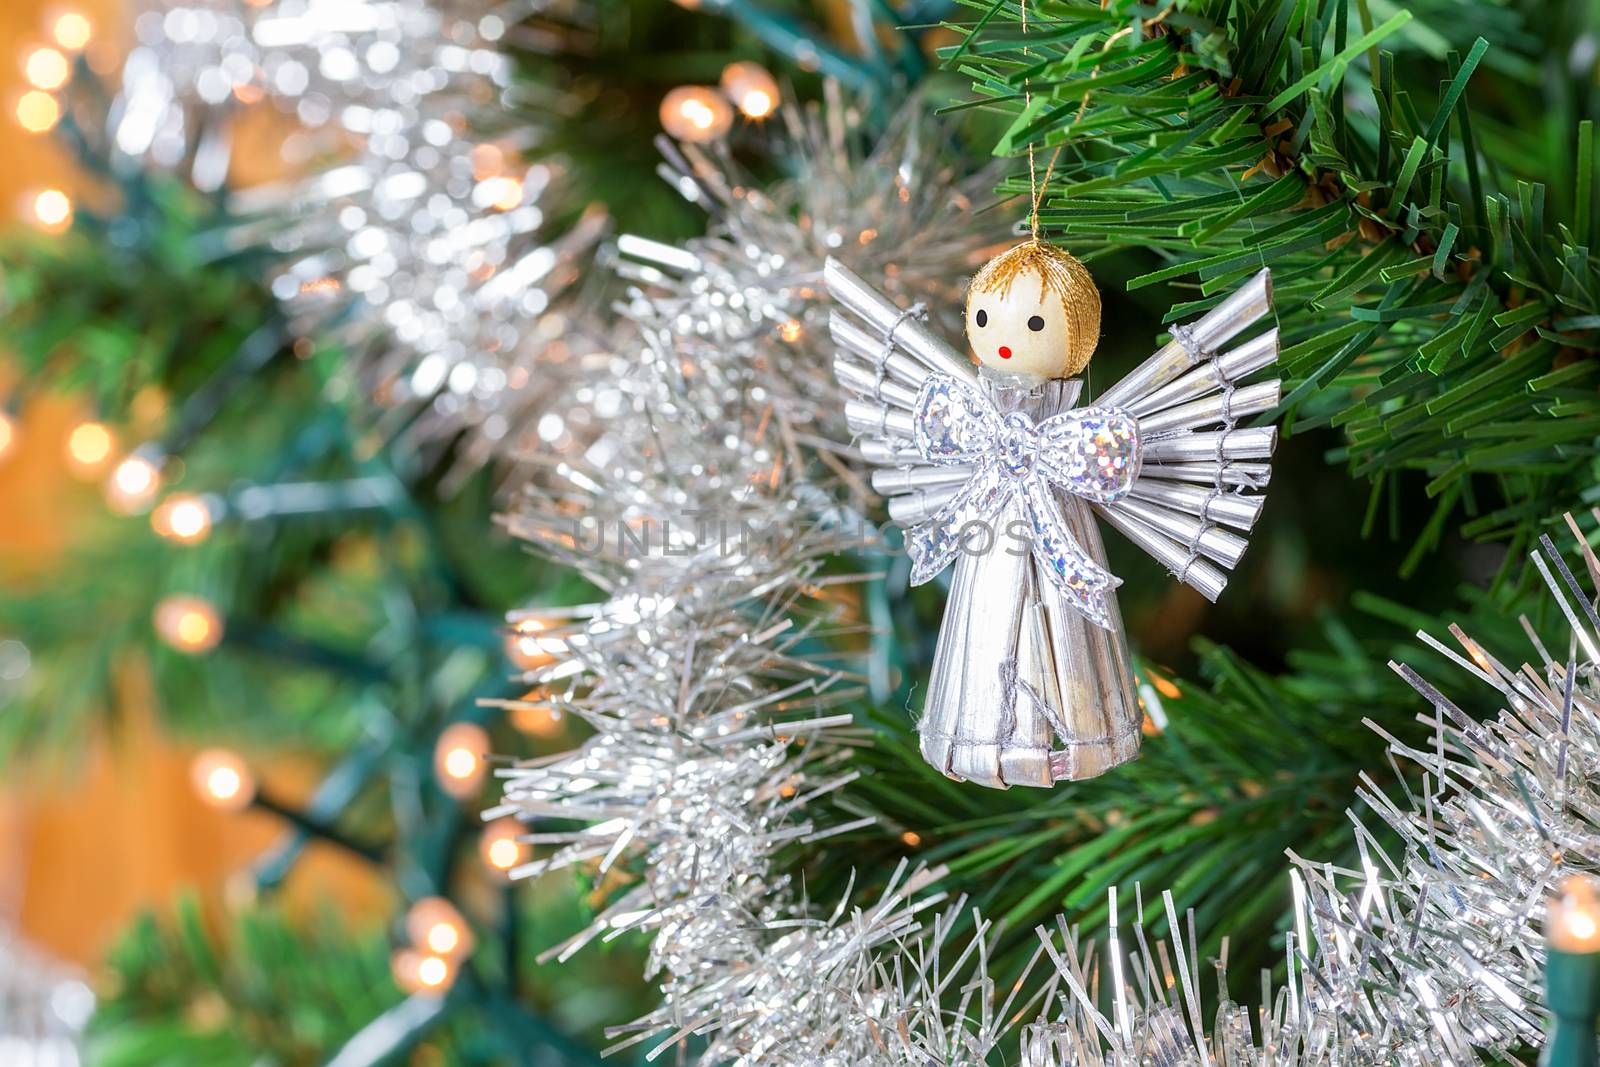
1203,477
885,354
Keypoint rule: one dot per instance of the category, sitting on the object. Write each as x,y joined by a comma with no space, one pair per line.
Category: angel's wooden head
1034,310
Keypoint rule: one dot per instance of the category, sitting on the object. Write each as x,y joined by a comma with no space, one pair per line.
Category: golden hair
1060,273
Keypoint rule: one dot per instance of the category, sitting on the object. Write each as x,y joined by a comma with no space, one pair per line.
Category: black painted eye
982,317
1036,323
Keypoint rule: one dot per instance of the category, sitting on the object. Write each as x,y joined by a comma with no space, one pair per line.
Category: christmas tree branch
1439,317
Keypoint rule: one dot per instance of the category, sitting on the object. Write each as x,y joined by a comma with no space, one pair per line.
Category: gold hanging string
1027,103
1036,188
1038,193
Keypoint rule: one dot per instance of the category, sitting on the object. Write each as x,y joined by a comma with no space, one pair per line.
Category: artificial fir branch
1249,763
1436,310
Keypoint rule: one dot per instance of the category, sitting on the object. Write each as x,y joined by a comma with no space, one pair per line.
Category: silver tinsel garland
697,511
426,245
695,507
1431,952
748,298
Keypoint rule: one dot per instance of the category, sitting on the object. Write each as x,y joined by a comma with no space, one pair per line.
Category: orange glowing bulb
699,114
8,433
416,972
504,854
37,111
46,68
757,104
540,720
195,630
72,30
443,938
460,763
753,91
500,193
223,780
433,972
527,648
188,623
133,483
1572,923
224,784
500,847
435,926
695,113
182,517
52,210
88,446
458,758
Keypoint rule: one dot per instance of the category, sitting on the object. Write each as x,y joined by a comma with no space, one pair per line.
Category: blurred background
132,847
95,835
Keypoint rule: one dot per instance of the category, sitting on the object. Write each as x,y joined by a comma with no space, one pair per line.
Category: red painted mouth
1005,352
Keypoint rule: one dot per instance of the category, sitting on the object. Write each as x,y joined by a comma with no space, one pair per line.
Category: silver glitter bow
1090,452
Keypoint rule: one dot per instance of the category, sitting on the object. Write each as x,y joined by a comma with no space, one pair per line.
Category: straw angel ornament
996,469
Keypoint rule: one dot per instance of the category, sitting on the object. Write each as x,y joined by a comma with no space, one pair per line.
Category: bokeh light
696,113
72,30
458,758
182,517
89,445
434,972
37,111
46,68
499,192
438,929
537,719
1572,918
222,779
499,845
134,483
51,210
528,648
751,88
188,623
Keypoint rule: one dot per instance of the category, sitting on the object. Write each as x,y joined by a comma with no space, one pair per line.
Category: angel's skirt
1024,690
